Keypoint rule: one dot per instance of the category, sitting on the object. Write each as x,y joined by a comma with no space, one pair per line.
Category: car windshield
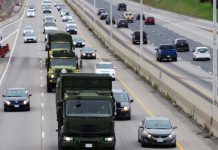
49,24
71,26
88,108
88,49
78,39
120,97
30,34
202,50
181,41
60,45
49,18
122,21
167,47
104,66
158,124
30,10
16,93
63,62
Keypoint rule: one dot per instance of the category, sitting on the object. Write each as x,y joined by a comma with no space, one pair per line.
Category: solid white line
41,85
41,71
7,37
41,77
43,118
42,105
42,94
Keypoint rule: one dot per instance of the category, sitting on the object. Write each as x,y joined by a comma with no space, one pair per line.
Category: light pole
214,58
94,17
141,33
111,9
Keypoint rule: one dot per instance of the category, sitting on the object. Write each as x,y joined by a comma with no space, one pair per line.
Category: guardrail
191,101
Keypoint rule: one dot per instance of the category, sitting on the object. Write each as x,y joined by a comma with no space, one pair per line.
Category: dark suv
122,23
121,6
123,104
166,52
181,44
136,38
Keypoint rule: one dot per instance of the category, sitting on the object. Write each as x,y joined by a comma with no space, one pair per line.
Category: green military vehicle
85,111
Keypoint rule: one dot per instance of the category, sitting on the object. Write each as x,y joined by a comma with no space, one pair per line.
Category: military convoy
85,111
61,57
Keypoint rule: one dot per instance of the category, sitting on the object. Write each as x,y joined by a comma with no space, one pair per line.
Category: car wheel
208,59
160,59
5,109
175,59
143,144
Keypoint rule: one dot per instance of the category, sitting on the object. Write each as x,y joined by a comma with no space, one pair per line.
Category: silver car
156,131
27,29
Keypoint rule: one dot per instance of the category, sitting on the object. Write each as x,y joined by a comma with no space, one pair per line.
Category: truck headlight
25,102
52,76
126,108
7,102
109,139
68,139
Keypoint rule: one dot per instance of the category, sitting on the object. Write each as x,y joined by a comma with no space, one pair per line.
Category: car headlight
109,139
83,43
68,139
74,43
68,29
126,108
84,54
75,29
93,54
144,133
7,102
172,135
25,102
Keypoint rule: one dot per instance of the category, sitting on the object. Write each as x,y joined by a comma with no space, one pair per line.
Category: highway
36,129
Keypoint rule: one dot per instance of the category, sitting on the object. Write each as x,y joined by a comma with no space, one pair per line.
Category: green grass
186,7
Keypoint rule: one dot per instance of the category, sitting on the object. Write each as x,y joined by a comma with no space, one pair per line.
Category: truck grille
89,128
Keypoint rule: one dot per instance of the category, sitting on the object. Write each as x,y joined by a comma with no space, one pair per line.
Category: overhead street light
141,33
111,23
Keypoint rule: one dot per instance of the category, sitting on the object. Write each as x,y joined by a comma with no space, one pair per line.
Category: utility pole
141,33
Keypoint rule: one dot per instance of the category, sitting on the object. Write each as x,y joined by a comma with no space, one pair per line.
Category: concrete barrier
186,97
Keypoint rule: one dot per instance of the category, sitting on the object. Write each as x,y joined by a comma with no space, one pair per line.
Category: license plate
88,145
159,140
16,106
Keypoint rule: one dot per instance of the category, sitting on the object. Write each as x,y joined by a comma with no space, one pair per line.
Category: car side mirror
141,126
3,95
175,127
80,50
193,50
156,49
30,94
131,100
95,50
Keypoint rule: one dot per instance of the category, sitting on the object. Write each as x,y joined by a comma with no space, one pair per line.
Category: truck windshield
63,62
60,45
88,108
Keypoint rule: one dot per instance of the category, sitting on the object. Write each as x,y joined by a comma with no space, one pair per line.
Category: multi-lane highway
36,129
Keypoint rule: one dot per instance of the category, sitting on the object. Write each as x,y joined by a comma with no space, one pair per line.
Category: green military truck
85,111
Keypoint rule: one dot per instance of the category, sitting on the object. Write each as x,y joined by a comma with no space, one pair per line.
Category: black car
88,52
139,15
181,45
121,6
47,9
60,7
122,23
16,99
78,41
156,131
101,10
123,104
108,20
72,29
103,16
136,37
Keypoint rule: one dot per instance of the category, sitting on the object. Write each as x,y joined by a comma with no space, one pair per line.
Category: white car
30,13
105,68
30,38
66,17
201,53
49,19
71,22
50,29
27,29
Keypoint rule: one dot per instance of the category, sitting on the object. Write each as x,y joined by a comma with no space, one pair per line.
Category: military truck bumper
96,143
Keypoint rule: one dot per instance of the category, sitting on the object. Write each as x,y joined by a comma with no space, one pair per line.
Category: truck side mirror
3,95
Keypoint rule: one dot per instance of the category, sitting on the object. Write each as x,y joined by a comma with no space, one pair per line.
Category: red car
150,20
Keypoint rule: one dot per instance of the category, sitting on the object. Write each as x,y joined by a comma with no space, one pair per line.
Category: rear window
167,47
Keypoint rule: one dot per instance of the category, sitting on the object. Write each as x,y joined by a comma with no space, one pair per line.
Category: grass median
186,7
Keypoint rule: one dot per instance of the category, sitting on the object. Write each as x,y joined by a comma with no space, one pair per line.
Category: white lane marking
41,77
42,94
209,72
43,118
41,71
41,85
10,24
199,67
7,37
43,134
42,105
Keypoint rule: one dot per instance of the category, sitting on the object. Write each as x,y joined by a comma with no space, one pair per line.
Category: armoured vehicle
85,111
